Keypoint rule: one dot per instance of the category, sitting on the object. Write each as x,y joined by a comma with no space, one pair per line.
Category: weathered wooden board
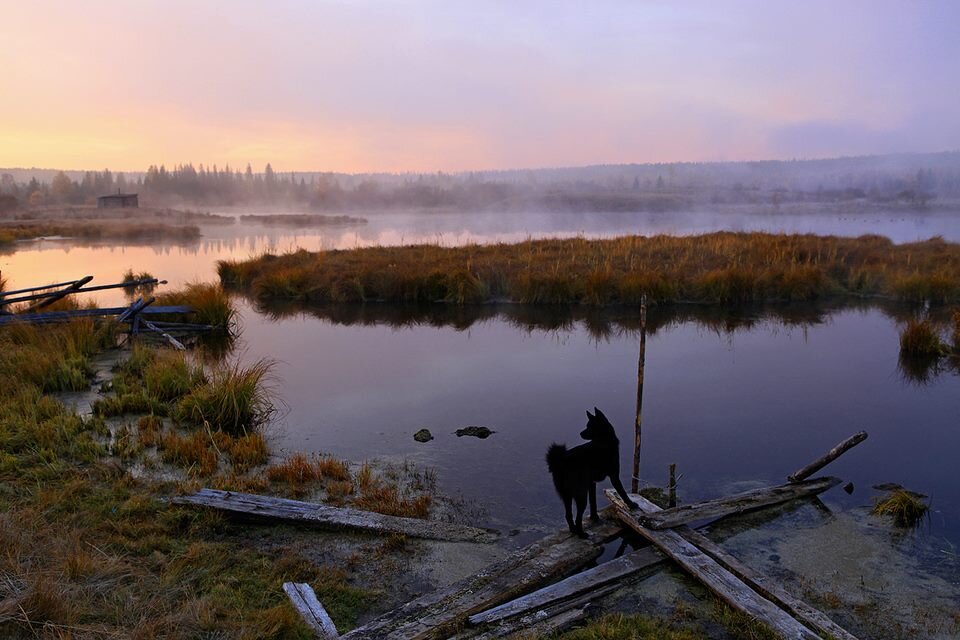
827,458
715,577
304,600
66,316
763,585
586,581
439,613
739,503
333,517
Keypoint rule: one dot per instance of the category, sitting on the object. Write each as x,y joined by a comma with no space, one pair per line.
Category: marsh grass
921,339
234,399
621,626
210,303
905,507
93,231
713,268
955,332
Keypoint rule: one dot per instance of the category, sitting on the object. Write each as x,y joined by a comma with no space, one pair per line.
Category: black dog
576,472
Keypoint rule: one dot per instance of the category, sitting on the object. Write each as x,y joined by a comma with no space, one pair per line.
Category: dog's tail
556,457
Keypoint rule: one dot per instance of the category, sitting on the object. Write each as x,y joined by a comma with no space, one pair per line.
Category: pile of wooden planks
533,590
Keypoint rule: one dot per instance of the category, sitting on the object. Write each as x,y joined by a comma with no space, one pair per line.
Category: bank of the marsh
719,267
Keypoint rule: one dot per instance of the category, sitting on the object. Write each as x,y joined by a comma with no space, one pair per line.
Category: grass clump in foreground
210,304
906,508
718,267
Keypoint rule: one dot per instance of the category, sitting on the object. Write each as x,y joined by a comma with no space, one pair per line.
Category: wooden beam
723,583
739,503
321,515
66,316
829,457
437,614
57,295
135,309
176,344
581,583
4,294
304,600
813,618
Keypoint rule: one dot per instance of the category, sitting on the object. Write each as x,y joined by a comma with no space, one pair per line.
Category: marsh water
736,398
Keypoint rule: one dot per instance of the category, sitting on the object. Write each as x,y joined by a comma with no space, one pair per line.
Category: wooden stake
637,427
672,487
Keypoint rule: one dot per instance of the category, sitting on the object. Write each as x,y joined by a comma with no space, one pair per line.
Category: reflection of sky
427,85
54,260
751,406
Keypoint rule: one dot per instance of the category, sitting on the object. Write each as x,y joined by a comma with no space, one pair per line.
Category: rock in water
476,432
423,435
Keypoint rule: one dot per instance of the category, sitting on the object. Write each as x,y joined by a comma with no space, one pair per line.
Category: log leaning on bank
738,503
269,507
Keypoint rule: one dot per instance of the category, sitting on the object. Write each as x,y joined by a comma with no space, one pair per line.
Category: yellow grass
717,267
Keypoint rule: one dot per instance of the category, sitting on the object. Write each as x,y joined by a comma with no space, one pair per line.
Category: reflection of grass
906,508
718,267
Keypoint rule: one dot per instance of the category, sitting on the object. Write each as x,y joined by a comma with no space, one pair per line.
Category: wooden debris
739,503
437,614
53,296
830,456
65,316
578,584
727,586
304,600
810,616
333,517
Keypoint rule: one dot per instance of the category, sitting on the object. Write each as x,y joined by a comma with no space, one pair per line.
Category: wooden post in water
635,482
672,487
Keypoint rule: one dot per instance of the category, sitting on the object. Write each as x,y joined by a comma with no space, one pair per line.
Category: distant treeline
913,180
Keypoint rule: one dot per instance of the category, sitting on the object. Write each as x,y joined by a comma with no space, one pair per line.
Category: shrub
234,399
921,339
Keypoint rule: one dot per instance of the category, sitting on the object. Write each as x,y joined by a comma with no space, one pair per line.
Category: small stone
848,488
476,432
423,435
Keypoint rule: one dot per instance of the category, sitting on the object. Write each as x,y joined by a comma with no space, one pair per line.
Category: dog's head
598,427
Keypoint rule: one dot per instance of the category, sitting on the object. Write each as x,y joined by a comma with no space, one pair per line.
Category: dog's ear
588,414
598,413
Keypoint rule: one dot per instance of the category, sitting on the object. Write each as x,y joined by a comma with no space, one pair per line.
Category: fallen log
830,456
722,582
588,581
810,616
321,515
304,600
439,613
739,503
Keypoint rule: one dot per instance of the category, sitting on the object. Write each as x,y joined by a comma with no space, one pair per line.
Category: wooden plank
739,503
587,581
715,577
66,316
769,589
304,600
136,309
437,614
4,294
101,287
49,299
829,457
333,517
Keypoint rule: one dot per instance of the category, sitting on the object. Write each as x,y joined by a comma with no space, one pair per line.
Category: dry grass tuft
921,339
906,508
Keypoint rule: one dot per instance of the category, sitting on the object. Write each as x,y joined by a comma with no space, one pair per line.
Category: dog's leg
615,481
568,509
593,502
581,507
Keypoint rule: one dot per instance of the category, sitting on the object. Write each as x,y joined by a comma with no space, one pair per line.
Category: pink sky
423,86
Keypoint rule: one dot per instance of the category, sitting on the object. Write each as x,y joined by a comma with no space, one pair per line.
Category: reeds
714,268
906,507
210,304
920,339
235,399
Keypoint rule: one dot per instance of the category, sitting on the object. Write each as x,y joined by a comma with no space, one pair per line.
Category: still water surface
735,399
